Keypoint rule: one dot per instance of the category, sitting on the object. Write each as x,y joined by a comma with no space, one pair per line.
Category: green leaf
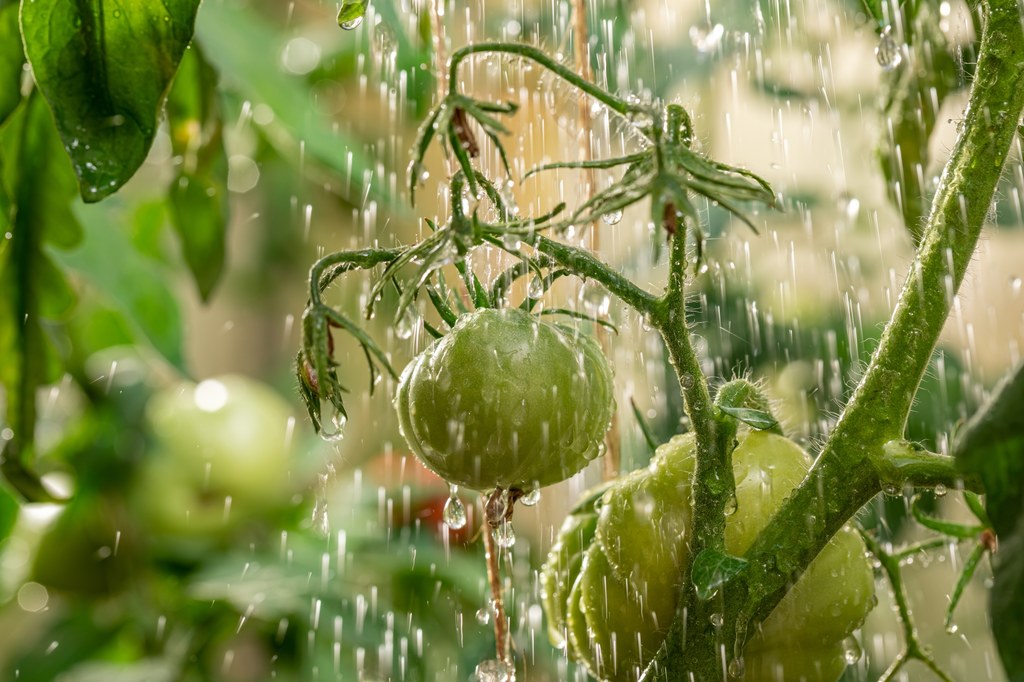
991,445
351,14
874,8
712,569
36,187
198,214
8,513
12,59
104,67
756,419
135,285
198,197
228,34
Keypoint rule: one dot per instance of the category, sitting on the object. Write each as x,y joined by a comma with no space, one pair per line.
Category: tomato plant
149,532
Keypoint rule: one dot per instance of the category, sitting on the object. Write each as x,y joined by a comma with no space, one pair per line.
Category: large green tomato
610,584
221,453
506,401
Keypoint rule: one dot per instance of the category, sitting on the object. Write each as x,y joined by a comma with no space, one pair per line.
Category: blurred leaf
36,187
228,34
147,226
8,513
874,9
198,196
133,283
712,569
12,59
912,97
152,670
104,67
96,326
77,553
79,635
198,213
991,445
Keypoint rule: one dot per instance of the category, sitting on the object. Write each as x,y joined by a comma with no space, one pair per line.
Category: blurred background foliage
209,536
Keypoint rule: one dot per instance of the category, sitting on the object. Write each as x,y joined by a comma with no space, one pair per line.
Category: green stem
714,484
846,475
899,464
532,53
912,648
584,264
330,267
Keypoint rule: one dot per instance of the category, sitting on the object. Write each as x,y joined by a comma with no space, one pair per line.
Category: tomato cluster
611,581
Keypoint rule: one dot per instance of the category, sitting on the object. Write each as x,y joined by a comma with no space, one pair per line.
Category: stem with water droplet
846,476
501,637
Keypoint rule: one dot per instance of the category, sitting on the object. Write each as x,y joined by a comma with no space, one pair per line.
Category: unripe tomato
221,453
506,401
625,590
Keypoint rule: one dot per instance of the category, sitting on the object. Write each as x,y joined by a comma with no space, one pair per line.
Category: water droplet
454,513
483,615
332,422
851,650
941,490
717,619
595,299
504,535
952,628
531,498
351,24
508,197
416,170
536,288
889,51
706,39
406,323
511,242
494,671
612,217
321,521
737,668
731,505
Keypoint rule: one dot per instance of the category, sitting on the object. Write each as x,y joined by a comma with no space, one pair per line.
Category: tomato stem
912,647
853,466
501,637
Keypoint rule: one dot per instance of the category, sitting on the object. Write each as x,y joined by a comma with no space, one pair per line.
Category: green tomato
221,453
506,401
565,560
625,591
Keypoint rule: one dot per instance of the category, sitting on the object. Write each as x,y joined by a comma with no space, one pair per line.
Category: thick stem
845,476
901,463
714,485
